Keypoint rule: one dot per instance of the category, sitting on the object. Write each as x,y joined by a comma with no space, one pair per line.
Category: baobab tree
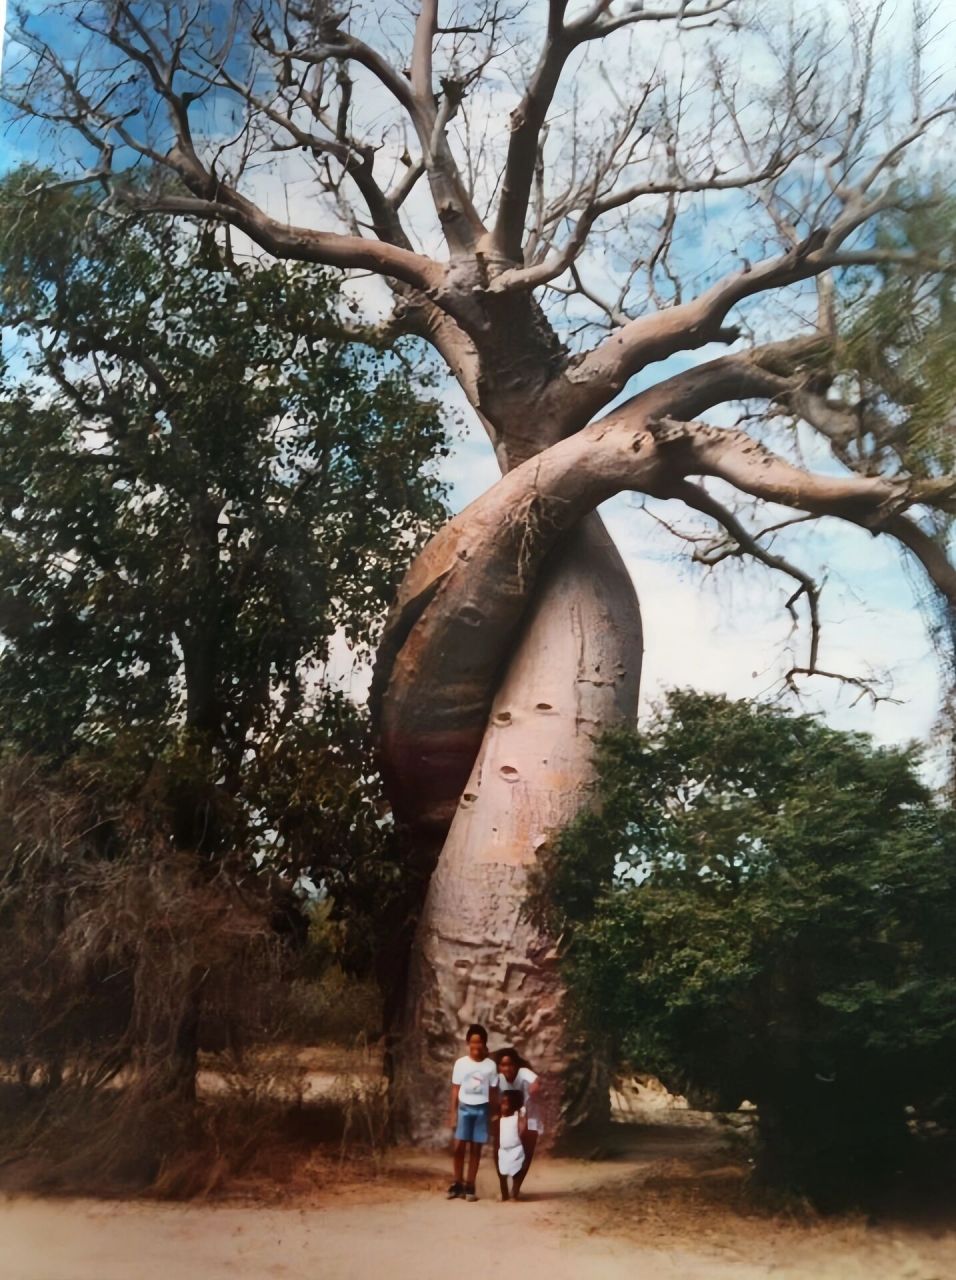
558,197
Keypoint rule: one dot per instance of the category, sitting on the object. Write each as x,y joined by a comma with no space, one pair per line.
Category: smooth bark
574,671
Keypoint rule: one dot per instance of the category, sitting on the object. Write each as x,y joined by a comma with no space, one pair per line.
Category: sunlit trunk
573,672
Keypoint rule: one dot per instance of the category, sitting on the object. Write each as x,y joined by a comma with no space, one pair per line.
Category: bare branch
700,320
301,243
421,71
746,543
939,569
543,272
596,23
731,455
460,221
867,688
527,120
403,189
357,160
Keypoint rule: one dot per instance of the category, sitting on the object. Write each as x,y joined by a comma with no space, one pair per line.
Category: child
510,1129
474,1094
516,1074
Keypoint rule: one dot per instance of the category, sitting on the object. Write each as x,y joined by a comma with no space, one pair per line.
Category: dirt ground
666,1204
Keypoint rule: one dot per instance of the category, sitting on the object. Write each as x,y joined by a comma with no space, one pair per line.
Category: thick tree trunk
574,671
514,641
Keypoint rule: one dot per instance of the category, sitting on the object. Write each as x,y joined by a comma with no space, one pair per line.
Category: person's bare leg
529,1142
458,1160
503,1183
474,1155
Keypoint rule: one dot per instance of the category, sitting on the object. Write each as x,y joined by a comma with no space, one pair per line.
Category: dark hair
516,1097
509,1051
476,1029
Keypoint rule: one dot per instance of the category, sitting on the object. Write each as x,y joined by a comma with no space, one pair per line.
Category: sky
729,631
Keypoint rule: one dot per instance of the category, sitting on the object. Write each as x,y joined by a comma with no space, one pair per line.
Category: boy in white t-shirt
474,1094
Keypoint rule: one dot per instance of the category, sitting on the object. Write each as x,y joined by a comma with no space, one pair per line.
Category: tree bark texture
574,671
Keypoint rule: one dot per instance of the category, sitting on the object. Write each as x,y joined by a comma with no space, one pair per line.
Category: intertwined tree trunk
573,671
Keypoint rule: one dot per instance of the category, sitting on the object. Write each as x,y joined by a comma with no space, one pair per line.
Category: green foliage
897,353
779,926
202,481
898,334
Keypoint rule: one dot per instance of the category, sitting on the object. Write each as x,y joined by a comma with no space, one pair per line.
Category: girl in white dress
515,1073
510,1129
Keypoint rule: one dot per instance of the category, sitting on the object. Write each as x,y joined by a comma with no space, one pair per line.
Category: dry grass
119,957
711,1200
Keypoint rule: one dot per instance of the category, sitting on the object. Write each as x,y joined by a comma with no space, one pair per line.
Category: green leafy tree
202,481
205,480
779,928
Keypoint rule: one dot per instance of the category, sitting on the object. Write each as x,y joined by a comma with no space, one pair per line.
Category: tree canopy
778,928
203,481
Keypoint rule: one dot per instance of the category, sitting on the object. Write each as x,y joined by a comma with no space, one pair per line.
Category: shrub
779,925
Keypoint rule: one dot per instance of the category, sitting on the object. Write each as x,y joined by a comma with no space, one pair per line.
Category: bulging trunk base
574,672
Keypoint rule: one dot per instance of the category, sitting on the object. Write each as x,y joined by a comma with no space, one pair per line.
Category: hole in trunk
469,797
543,706
509,773
503,717
470,615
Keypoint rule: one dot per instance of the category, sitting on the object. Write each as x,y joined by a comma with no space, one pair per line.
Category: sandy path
418,1237
385,1230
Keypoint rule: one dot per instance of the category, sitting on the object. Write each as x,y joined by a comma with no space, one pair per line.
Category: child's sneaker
470,1192
455,1191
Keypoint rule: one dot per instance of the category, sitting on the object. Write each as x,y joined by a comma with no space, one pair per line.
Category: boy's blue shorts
472,1122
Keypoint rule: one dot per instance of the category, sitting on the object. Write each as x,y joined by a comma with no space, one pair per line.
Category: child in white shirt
514,1073
474,1096
510,1129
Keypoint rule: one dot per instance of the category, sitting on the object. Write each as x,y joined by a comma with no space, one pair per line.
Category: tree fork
524,622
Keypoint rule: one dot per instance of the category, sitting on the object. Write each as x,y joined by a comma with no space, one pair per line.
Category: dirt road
581,1221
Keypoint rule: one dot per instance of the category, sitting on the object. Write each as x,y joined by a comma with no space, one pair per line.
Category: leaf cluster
898,334
205,483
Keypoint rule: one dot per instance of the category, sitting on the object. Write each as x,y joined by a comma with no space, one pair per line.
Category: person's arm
534,1083
454,1106
522,1123
494,1094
